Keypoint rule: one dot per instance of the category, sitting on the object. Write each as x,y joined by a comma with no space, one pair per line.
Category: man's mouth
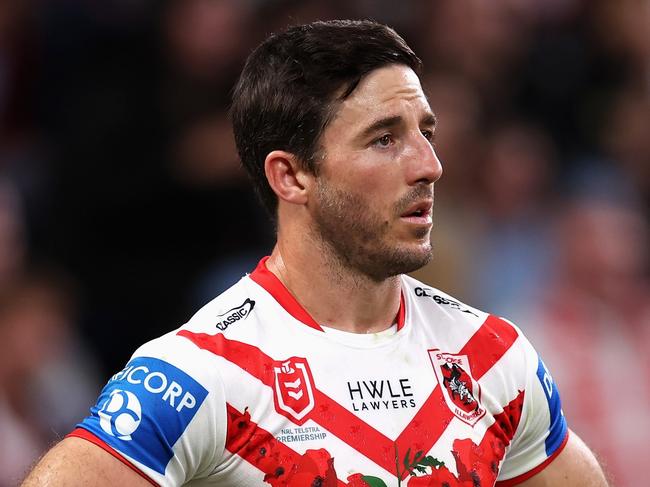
419,212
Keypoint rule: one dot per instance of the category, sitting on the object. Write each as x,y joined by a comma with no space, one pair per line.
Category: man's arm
575,466
77,462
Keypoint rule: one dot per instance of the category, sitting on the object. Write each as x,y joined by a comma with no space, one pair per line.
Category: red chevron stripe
421,433
490,342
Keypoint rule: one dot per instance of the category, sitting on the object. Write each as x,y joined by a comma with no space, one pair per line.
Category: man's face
374,190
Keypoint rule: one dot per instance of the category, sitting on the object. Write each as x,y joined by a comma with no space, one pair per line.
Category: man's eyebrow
382,123
429,119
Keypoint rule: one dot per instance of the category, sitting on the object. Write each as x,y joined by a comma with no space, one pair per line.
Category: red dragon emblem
462,393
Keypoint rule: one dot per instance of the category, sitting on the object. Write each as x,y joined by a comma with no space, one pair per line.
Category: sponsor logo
294,395
425,292
461,392
121,414
308,433
156,382
558,426
373,395
144,409
241,312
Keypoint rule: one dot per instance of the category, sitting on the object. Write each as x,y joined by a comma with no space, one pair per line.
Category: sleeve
164,414
542,431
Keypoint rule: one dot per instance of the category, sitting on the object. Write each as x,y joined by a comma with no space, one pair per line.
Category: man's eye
384,140
428,134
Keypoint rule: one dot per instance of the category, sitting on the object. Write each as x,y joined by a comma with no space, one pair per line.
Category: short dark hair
291,84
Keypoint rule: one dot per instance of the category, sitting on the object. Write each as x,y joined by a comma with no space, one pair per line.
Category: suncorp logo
150,402
121,414
157,383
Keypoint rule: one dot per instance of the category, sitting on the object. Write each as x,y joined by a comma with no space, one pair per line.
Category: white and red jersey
252,391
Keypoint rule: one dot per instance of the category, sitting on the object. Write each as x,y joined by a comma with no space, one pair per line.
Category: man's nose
425,167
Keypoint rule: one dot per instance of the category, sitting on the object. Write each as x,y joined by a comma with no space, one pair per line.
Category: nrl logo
461,392
294,395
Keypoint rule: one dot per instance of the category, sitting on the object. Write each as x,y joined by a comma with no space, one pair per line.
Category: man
326,365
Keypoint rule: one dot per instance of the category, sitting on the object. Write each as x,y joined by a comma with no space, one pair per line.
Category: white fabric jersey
251,391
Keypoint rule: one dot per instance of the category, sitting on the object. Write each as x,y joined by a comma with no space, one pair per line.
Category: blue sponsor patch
144,409
557,429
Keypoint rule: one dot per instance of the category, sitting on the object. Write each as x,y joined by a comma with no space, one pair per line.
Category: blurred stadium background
123,207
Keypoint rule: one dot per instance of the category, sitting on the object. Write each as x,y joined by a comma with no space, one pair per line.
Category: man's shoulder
234,304
458,324
431,299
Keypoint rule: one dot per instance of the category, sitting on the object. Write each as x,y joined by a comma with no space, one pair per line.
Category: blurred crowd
123,206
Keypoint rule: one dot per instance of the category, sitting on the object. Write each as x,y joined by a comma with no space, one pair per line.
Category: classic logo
121,414
240,312
294,395
424,292
461,392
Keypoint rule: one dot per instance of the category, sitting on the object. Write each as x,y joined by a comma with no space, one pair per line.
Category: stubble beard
356,236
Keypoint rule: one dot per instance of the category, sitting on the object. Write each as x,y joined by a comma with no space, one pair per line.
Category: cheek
377,191
366,195
373,213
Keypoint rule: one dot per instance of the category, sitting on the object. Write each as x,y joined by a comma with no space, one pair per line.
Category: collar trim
270,282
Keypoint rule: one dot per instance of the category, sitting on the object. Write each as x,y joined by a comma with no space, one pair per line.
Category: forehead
393,90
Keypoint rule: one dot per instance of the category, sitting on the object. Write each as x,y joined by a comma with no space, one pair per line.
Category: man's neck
333,294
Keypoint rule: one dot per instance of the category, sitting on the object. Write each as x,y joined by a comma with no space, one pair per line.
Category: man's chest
409,414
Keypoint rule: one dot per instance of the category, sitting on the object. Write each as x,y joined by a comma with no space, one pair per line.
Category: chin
400,260
420,257
421,249
420,254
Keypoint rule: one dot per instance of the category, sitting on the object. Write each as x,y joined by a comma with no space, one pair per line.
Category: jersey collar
270,282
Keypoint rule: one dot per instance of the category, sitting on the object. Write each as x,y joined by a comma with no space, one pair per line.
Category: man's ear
287,178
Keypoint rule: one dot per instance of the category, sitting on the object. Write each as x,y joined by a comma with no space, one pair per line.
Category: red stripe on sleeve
88,436
531,473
